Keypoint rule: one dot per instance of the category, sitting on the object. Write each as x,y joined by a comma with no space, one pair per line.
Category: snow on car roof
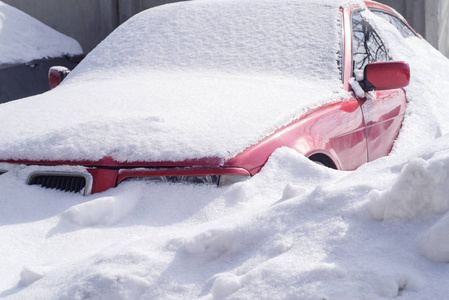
23,38
187,80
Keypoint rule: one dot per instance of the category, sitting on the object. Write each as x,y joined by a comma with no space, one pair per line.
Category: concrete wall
429,18
443,41
90,21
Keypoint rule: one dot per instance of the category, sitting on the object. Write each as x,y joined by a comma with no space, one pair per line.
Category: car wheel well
324,160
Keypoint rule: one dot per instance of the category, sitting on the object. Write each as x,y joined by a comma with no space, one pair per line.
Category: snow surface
296,230
23,38
183,117
248,74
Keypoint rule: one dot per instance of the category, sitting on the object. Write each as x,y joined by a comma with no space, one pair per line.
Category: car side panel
336,130
383,112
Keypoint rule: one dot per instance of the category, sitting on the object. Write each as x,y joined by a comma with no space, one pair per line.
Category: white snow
23,38
296,230
298,39
217,80
168,117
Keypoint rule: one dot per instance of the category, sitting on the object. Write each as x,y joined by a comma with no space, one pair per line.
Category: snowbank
421,188
23,38
295,230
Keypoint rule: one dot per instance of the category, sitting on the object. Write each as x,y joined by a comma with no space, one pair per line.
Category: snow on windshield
23,38
296,38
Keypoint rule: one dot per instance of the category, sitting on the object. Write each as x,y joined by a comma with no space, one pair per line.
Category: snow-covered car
28,48
205,91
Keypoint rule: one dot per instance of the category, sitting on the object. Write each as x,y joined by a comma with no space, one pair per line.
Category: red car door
383,111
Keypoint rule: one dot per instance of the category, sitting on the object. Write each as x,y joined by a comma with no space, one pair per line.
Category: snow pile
295,230
23,38
30,275
421,188
435,244
101,211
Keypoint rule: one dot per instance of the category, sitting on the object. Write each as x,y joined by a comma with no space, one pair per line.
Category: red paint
388,75
56,75
103,179
336,130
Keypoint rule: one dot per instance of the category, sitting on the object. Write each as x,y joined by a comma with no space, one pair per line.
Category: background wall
430,18
443,41
90,21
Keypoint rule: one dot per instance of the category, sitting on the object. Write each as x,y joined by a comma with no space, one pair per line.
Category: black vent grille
69,183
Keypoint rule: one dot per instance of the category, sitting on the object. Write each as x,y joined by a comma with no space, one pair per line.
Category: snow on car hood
23,38
155,117
187,80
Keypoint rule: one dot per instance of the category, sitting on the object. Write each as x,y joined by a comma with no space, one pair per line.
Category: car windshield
293,38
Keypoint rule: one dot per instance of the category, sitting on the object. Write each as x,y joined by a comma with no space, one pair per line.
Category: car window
403,29
367,46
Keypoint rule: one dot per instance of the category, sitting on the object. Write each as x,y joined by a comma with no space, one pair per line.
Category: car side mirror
56,75
385,76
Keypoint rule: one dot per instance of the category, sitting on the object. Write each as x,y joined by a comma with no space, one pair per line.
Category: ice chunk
214,242
100,211
420,188
225,284
435,243
30,275
357,88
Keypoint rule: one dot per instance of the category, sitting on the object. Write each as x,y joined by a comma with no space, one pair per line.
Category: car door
383,111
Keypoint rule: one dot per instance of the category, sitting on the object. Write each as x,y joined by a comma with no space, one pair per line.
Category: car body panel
383,112
328,130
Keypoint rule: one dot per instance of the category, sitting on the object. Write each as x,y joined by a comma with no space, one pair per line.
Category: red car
327,48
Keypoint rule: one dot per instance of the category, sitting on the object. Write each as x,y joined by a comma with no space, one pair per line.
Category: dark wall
90,21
